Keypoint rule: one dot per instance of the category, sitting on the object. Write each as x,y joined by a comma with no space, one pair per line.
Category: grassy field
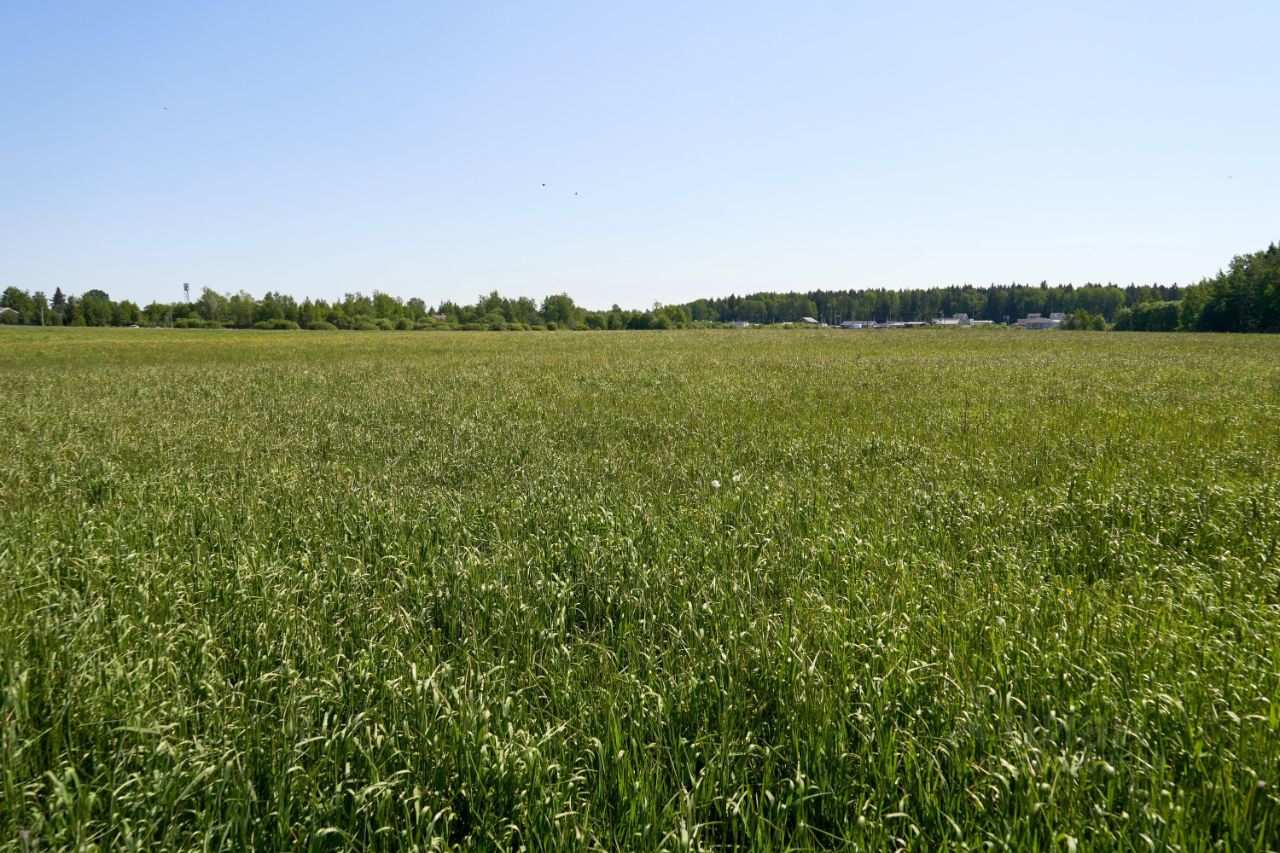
639,590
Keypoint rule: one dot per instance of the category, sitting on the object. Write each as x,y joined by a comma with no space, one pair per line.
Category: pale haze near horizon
318,149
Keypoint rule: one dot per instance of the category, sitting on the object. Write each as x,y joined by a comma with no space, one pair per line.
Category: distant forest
1243,298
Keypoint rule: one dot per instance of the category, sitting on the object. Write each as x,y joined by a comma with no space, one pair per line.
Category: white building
1039,321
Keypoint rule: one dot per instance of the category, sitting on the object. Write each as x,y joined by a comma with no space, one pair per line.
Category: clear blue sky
319,148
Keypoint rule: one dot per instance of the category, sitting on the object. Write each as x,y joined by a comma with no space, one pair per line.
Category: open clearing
638,590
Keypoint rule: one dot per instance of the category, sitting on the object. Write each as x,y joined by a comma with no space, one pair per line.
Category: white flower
737,478
715,484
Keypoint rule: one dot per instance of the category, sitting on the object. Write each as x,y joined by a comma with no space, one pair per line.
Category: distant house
6,312
953,320
740,324
809,321
1039,321
858,324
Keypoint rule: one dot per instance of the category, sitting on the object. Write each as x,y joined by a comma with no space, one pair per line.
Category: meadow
646,590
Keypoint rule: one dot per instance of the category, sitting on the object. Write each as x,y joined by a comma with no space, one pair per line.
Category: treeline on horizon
1243,298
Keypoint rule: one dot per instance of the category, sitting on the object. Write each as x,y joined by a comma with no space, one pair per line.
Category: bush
276,325
551,327
404,324
190,323
1081,321
1149,317
385,325
364,326
323,326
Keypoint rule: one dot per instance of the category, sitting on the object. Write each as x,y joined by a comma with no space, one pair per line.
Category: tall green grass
756,590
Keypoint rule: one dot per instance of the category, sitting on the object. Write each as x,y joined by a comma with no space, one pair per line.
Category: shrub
323,326
404,324
1082,320
385,325
364,326
276,325
1149,317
